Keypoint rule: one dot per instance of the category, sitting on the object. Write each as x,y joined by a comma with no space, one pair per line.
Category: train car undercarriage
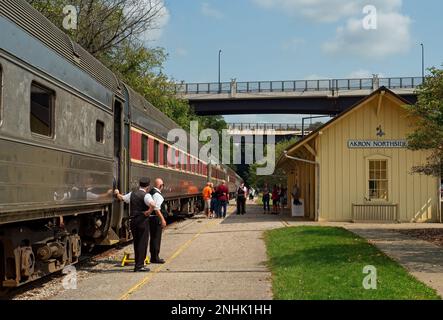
31,250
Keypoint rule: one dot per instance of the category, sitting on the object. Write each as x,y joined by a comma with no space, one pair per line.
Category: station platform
211,259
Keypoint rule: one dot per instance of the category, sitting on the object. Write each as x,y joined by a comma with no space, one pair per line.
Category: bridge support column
233,88
375,82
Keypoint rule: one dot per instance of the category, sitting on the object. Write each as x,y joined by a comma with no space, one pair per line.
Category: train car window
42,110
100,131
1,91
165,155
144,148
177,159
156,152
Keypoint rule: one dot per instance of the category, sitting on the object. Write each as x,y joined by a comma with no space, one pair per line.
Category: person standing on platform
241,199
223,199
266,198
141,205
214,202
157,222
276,200
207,192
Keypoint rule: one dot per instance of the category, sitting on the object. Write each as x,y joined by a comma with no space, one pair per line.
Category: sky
297,39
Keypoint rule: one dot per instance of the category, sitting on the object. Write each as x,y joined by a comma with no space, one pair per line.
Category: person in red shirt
223,199
276,200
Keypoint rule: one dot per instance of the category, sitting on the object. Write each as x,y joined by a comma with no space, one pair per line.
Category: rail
333,85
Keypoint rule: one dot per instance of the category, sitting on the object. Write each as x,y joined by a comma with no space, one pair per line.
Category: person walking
141,205
157,222
223,198
266,199
207,192
241,199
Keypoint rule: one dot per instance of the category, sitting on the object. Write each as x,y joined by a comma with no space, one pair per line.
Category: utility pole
422,61
219,71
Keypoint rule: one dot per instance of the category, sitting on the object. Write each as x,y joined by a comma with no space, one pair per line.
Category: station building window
100,131
42,110
378,179
144,147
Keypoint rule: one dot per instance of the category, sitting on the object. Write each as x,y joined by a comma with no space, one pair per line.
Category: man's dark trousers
140,233
156,230
241,201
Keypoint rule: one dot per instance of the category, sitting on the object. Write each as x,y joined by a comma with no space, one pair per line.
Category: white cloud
391,37
327,10
209,11
160,23
362,74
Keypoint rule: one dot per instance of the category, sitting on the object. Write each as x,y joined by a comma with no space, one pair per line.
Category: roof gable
379,94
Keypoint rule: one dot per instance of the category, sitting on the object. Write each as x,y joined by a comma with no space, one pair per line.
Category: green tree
111,30
429,133
104,24
279,176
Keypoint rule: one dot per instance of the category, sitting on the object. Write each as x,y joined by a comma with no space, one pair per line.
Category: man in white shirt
141,207
157,222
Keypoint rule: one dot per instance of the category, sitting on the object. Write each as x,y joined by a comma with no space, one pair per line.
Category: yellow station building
357,167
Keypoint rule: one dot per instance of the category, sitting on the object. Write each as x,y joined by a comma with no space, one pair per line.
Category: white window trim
389,168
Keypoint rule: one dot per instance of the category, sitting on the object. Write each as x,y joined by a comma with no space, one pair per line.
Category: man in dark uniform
241,199
141,206
157,222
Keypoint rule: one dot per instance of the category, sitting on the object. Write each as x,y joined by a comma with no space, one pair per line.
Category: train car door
119,164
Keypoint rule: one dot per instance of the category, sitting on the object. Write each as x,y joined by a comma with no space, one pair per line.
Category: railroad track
44,287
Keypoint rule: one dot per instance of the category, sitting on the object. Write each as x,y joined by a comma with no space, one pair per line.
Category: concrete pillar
233,87
375,82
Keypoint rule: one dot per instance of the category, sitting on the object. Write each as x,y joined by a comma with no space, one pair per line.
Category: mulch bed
432,235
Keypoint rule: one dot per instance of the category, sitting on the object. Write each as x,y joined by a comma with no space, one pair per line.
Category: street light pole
219,68
422,60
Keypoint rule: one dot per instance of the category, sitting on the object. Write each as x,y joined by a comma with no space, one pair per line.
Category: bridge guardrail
265,126
333,85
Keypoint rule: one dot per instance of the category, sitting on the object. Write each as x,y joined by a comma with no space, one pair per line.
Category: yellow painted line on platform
184,246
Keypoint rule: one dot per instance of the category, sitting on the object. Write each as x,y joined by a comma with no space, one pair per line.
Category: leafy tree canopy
429,132
114,31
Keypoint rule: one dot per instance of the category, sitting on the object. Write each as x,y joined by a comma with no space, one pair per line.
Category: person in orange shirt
207,192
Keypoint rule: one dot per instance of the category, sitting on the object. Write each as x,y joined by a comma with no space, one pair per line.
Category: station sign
377,144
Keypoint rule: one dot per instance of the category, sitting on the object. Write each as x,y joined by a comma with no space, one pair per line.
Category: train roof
34,23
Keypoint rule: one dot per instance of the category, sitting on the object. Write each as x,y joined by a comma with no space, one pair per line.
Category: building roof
313,134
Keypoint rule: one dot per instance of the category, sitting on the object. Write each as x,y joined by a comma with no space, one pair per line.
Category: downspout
317,187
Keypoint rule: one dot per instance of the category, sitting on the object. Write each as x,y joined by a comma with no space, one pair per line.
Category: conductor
141,206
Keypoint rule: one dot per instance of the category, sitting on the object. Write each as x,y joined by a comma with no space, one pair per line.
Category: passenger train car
70,134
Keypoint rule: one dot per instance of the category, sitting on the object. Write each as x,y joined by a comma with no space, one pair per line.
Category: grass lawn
311,263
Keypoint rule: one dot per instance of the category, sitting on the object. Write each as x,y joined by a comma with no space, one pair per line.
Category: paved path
205,259
424,260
